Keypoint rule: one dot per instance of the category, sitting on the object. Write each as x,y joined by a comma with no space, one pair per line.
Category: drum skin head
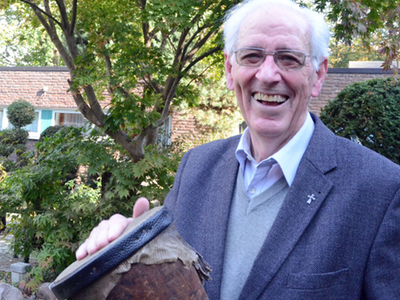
139,232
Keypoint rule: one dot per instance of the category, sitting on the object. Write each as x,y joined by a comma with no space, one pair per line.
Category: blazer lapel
218,206
305,196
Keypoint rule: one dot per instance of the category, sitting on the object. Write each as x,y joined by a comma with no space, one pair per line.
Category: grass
5,277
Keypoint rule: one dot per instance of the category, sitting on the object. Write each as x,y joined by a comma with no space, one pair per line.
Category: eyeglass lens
283,58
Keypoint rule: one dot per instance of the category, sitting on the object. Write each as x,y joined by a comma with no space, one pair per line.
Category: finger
98,238
81,252
142,205
117,225
102,235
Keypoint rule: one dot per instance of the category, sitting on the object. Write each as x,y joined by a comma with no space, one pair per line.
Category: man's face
273,101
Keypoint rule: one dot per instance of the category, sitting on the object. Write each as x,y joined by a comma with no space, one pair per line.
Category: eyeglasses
284,59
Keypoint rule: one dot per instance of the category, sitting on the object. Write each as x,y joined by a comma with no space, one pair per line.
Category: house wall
30,83
337,79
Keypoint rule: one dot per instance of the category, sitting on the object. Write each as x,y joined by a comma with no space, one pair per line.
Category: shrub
56,214
14,136
49,132
369,113
21,113
6,150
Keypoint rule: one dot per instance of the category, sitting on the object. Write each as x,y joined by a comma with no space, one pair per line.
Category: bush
56,215
6,150
21,113
14,136
49,132
369,113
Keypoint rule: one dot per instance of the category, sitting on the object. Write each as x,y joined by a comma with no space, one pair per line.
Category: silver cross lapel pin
311,198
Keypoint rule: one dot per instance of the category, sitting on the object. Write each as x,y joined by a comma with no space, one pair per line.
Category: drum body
149,260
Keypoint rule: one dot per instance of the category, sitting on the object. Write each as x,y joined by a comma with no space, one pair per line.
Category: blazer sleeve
382,276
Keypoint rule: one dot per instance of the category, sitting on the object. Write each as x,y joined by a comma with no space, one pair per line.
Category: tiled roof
43,87
40,86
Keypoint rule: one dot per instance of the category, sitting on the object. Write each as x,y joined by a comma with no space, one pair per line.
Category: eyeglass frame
273,54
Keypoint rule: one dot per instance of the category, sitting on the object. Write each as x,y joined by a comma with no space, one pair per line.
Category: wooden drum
150,260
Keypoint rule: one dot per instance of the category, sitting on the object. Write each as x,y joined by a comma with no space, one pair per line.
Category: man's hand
109,230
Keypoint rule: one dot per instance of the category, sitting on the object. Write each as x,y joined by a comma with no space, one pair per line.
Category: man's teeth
274,98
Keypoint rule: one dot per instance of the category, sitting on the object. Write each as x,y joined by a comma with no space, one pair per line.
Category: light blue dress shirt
256,177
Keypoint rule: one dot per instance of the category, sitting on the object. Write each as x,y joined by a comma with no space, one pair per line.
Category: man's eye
252,56
289,58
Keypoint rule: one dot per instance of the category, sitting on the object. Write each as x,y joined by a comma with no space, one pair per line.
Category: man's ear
321,73
228,72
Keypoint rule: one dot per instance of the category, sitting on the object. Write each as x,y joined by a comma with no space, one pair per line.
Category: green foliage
54,215
6,150
24,44
49,132
341,54
145,54
364,18
368,112
20,113
216,110
14,136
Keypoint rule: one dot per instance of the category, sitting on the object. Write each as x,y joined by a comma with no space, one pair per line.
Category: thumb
142,205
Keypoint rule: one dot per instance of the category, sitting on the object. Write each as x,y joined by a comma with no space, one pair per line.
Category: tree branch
199,58
64,15
170,97
83,107
73,18
200,43
37,8
51,22
94,104
180,47
54,38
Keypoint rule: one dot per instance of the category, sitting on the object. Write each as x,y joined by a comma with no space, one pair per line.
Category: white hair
318,29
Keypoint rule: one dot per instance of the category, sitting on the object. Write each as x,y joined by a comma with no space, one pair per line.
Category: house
46,88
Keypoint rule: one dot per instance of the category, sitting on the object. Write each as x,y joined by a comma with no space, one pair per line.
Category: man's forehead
276,21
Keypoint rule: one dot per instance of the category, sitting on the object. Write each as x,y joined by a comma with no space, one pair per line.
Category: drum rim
101,264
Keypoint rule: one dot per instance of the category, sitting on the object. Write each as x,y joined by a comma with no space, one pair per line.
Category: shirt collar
288,157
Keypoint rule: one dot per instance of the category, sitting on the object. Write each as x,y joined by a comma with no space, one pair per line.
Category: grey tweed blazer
345,244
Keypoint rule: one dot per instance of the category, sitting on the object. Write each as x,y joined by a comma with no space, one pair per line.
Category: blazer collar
309,190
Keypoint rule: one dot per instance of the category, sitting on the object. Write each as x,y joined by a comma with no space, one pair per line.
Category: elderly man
287,210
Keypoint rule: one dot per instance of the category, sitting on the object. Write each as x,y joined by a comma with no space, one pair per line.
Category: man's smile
269,99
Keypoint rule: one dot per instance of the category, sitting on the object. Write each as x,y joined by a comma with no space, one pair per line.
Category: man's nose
268,71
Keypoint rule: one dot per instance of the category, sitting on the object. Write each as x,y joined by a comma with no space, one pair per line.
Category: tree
216,111
363,18
341,54
75,179
143,53
23,45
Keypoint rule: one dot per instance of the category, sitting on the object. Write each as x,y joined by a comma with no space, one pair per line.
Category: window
45,118
164,132
34,127
69,119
